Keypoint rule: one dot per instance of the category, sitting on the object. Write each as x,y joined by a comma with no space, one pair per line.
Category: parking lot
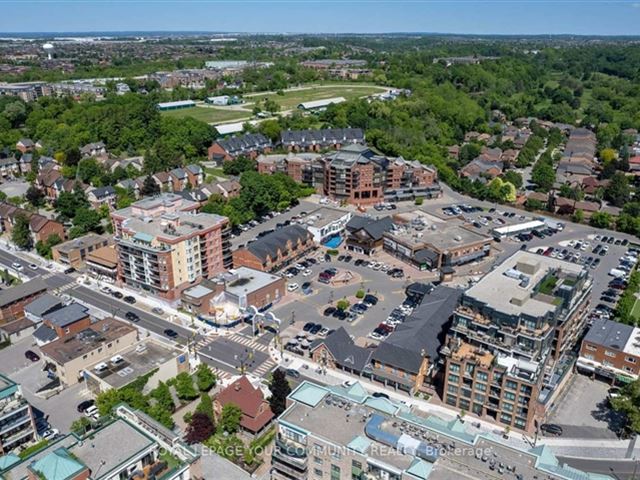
583,410
310,307
60,409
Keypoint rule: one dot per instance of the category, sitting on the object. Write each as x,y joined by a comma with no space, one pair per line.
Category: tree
161,415
200,428
578,216
184,387
21,234
44,248
87,220
206,405
607,155
543,175
205,378
238,165
618,192
34,196
162,395
81,425
230,418
600,220
514,178
150,187
280,390
88,168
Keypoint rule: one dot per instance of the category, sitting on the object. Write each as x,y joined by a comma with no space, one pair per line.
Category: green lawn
209,115
290,99
635,311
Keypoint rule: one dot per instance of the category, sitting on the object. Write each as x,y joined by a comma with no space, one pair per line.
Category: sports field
288,100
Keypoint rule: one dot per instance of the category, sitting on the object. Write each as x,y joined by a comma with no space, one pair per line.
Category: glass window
454,378
335,472
454,367
317,472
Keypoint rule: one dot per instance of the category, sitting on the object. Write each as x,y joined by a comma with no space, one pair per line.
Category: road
618,469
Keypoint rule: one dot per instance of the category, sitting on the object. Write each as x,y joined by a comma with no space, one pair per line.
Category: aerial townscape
336,253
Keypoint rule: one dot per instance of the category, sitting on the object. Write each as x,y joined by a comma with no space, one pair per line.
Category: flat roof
178,103
440,236
507,294
184,224
614,335
321,103
519,227
323,216
83,242
248,280
136,363
103,331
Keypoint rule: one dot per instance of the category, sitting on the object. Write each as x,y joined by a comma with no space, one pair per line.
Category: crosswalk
243,340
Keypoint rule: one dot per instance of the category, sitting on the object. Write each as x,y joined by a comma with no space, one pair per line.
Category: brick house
256,412
14,299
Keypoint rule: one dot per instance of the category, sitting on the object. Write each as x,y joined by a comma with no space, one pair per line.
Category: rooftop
242,280
614,335
13,294
67,315
323,216
512,287
66,349
441,237
137,362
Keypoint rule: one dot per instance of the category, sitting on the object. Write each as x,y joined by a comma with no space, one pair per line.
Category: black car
380,395
69,270
340,314
551,429
129,299
308,326
315,329
370,300
292,373
328,311
31,355
170,333
311,261
132,316
117,294
82,406
327,257
348,258
306,286
341,258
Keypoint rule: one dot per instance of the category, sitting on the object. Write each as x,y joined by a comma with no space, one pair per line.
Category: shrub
360,293
342,304
419,200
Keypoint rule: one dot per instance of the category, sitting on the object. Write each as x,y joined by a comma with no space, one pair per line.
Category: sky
510,17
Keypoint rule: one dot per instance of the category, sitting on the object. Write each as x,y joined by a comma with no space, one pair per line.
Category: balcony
287,468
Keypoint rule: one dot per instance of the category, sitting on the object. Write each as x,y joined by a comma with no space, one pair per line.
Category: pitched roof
42,305
13,294
45,334
375,228
179,173
57,465
67,315
103,192
269,245
194,169
344,351
421,334
162,177
256,412
37,222
322,137
244,143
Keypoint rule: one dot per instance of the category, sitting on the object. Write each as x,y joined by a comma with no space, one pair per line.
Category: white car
292,287
307,273
17,266
33,266
51,434
92,412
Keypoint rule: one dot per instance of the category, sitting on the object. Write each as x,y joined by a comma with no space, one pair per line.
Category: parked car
82,406
33,266
292,373
117,294
380,395
31,355
17,266
370,300
129,299
551,429
157,311
50,434
292,287
308,326
329,311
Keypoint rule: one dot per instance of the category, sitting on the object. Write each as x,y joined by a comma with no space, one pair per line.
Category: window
335,472
505,418
478,397
631,359
482,376
592,348
454,367
317,460
481,387
451,400
511,385
509,396
627,368
609,353
588,356
452,389
508,407
454,378
317,472
607,363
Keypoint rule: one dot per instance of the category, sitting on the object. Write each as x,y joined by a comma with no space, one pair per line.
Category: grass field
209,115
289,100
635,311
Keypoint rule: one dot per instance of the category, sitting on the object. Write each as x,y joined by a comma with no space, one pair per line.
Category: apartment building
318,139
14,299
17,425
333,432
611,351
249,145
506,344
164,246
100,454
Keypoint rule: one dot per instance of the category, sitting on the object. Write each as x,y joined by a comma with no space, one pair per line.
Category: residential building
195,175
336,433
14,299
99,342
241,287
100,454
25,145
249,145
10,167
326,224
102,263
275,250
38,308
97,149
73,253
319,139
366,235
302,167
611,351
164,181
510,333
102,196
479,169
256,412
178,179
40,227
339,351
17,424
164,246
431,247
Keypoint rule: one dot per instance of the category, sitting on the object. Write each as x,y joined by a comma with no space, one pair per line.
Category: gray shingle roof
422,333
269,245
345,352
324,137
19,292
67,315
42,305
609,334
45,334
374,228
244,143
